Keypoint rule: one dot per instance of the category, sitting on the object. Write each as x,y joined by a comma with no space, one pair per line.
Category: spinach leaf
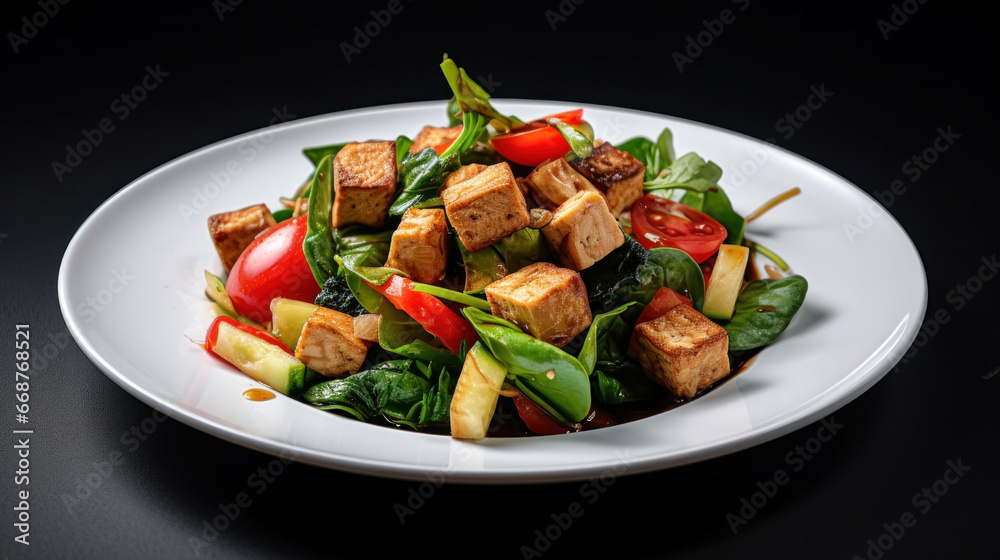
481,267
665,145
623,382
654,156
580,146
551,378
317,154
336,295
422,173
716,204
607,338
402,148
521,248
668,267
454,112
282,215
763,310
620,268
401,334
471,97
318,244
405,392
359,246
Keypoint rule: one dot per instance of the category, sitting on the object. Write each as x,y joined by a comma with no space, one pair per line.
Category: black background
939,69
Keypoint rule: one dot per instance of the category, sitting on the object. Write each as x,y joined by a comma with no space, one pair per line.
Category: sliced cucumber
215,289
261,360
726,282
476,394
288,316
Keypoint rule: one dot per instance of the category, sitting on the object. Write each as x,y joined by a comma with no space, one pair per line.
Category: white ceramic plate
131,286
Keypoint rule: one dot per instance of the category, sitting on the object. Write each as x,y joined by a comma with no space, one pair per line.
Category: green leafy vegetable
716,204
668,267
471,97
579,144
422,173
553,379
763,310
623,382
402,148
282,215
614,272
454,112
481,267
450,295
359,246
401,334
654,156
336,295
607,338
318,245
317,154
523,247
405,392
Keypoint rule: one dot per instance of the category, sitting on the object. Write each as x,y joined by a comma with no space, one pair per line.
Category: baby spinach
318,245
401,334
623,382
763,310
403,144
620,268
405,392
317,154
716,204
523,247
579,144
357,247
551,378
336,295
607,338
668,267
654,156
423,172
481,267
471,97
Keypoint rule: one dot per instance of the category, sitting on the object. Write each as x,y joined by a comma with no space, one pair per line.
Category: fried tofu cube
463,173
233,231
583,231
486,208
616,173
364,178
431,136
683,350
548,302
328,345
420,245
555,182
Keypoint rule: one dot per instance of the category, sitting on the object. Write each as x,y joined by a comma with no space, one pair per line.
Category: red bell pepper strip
213,335
430,312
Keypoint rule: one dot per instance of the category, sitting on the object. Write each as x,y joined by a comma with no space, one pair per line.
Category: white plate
131,286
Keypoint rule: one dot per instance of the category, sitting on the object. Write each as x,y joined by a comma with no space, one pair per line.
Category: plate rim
878,364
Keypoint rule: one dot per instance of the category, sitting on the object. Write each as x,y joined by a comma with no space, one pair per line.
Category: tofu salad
497,277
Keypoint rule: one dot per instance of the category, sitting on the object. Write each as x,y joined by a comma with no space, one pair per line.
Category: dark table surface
898,72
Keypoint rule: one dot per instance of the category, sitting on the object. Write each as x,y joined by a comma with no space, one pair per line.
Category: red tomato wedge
663,300
273,265
659,222
213,335
536,141
430,312
536,419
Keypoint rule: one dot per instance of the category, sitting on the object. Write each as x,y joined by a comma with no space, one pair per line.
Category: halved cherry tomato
213,335
536,141
663,300
536,419
659,222
430,312
273,265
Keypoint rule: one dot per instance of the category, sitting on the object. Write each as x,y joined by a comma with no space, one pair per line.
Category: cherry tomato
659,222
272,266
536,419
536,141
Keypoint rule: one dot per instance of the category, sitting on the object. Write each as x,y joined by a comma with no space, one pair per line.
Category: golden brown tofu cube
616,173
548,302
328,344
431,136
233,231
463,173
555,182
486,208
583,231
683,350
420,245
364,177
